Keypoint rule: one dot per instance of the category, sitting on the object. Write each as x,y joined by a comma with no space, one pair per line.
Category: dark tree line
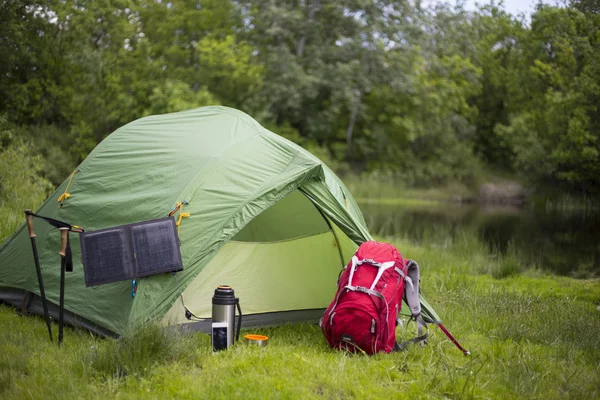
424,94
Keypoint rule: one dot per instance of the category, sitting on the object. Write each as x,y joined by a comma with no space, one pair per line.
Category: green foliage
230,69
498,36
21,186
421,135
552,127
175,96
52,143
427,94
586,6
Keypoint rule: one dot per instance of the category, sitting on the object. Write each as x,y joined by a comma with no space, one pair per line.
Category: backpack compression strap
420,338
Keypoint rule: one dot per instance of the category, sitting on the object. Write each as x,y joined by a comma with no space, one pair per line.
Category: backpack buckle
361,289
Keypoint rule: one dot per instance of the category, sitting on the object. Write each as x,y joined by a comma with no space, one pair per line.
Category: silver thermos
224,303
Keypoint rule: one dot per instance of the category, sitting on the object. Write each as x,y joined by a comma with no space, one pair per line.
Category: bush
21,186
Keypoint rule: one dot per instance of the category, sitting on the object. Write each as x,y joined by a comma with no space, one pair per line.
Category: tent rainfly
265,216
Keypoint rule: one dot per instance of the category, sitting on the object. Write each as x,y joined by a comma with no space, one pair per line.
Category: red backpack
367,304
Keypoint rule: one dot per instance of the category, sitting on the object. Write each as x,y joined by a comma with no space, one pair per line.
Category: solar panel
156,247
105,256
130,251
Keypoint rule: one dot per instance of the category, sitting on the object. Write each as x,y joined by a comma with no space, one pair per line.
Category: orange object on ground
259,340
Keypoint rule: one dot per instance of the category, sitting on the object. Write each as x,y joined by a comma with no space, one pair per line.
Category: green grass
400,201
531,335
570,203
21,187
373,187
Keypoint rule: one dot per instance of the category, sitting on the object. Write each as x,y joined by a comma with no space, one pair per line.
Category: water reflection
564,243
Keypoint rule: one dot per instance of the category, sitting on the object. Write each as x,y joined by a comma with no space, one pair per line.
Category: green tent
265,216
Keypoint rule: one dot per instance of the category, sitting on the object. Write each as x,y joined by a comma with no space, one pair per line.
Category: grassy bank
381,188
531,336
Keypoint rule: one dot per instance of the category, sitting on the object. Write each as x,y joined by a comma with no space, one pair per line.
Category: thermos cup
224,303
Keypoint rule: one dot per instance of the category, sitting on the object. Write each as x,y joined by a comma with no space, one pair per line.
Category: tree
555,116
498,38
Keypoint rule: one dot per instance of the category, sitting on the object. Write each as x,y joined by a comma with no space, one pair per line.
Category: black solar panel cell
155,246
106,256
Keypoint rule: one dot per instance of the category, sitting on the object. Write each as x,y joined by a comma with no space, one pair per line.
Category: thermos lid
224,295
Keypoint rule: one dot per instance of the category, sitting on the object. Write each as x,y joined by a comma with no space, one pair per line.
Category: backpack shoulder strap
381,266
411,290
411,295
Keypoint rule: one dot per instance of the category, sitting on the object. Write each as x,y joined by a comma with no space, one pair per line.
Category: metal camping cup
223,317
257,340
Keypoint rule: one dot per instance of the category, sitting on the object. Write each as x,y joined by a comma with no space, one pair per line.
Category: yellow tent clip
66,195
182,215
63,197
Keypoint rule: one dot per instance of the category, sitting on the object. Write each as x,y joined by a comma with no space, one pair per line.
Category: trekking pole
443,328
64,238
29,217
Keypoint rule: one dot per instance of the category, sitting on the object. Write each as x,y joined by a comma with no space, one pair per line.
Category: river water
565,243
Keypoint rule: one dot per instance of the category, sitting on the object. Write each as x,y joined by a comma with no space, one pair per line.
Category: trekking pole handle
29,217
64,233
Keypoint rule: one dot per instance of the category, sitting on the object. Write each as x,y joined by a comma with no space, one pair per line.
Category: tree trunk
312,8
350,128
300,47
